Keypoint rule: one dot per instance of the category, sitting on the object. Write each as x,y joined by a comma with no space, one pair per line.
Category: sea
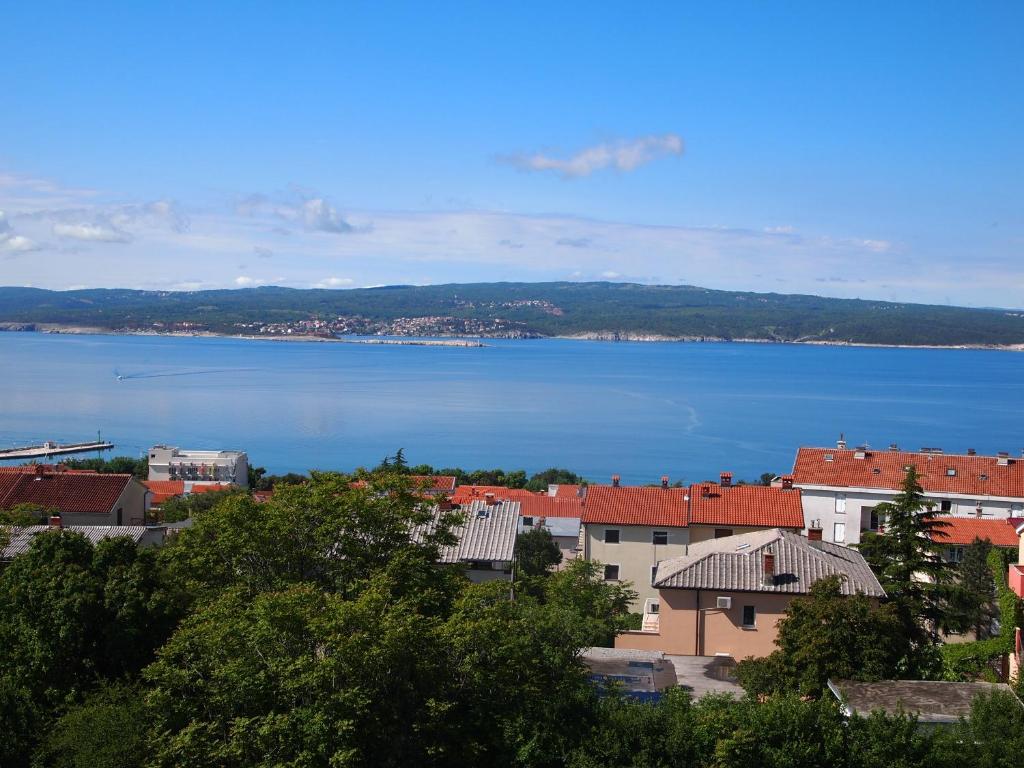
639,410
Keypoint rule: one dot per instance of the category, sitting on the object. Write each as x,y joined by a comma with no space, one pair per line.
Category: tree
906,558
120,465
537,552
107,729
179,508
554,476
766,478
599,609
828,634
973,596
255,477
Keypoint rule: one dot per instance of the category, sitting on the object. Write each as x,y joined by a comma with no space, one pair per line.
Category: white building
841,486
171,463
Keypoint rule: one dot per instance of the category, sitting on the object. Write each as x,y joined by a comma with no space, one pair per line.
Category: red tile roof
972,475
550,506
635,505
960,531
745,505
67,492
162,490
438,483
211,487
467,493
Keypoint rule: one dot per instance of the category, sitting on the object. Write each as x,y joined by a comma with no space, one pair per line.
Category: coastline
442,341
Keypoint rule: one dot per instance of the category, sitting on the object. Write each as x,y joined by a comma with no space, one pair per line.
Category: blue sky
847,149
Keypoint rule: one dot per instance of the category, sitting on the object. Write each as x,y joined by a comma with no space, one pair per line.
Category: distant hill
621,310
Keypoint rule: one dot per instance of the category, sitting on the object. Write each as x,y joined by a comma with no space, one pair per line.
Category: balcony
1016,579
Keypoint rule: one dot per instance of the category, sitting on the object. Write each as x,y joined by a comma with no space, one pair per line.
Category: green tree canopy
537,552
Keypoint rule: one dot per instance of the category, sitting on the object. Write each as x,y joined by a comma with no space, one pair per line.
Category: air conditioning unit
725,603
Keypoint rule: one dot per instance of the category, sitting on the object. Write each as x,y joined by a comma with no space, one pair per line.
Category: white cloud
334,282
621,155
610,274
100,233
12,243
245,282
319,215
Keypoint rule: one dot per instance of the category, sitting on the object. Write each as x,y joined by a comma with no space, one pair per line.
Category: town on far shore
712,567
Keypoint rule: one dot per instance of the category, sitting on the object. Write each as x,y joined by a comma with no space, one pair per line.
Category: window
946,505
611,573
870,519
749,617
611,535
1017,510
721,533
839,533
528,522
840,503
654,573
950,472
659,537
955,554
828,457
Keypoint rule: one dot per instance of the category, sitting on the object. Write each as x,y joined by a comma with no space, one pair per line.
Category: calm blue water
640,410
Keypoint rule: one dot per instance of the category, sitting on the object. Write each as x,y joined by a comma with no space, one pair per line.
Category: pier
50,448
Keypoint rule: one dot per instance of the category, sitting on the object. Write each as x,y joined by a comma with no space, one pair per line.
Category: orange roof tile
939,473
745,505
550,506
162,490
467,493
210,487
960,531
635,505
566,490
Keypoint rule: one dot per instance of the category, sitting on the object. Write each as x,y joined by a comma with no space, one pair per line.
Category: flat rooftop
933,701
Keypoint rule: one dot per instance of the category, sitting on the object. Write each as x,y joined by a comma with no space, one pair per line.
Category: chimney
841,442
971,452
1003,459
489,498
893,447
861,452
768,561
814,535
40,470
787,482
615,481
725,479
445,504
664,481
56,523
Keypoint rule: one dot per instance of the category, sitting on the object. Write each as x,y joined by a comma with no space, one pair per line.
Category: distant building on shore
171,463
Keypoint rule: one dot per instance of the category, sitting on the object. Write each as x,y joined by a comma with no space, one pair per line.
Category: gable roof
745,505
22,537
960,531
162,490
735,564
487,533
550,506
67,492
971,475
464,494
635,505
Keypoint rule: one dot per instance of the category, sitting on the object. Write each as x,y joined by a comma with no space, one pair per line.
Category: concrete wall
719,630
635,553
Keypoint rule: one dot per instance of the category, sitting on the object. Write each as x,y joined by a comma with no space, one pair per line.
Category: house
933,702
486,539
725,596
464,494
81,497
630,529
960,532
21,537
168,462
841,486
561,516
162,490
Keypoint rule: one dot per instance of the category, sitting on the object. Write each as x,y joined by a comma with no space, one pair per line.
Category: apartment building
842,486
171,463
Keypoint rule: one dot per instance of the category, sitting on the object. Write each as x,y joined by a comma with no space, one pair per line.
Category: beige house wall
706,532
635,553
720,631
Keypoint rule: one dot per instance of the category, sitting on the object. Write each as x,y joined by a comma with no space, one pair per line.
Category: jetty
50,448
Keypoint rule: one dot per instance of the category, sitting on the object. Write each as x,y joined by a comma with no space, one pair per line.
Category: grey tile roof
933,701
487,533
734,563
21,538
